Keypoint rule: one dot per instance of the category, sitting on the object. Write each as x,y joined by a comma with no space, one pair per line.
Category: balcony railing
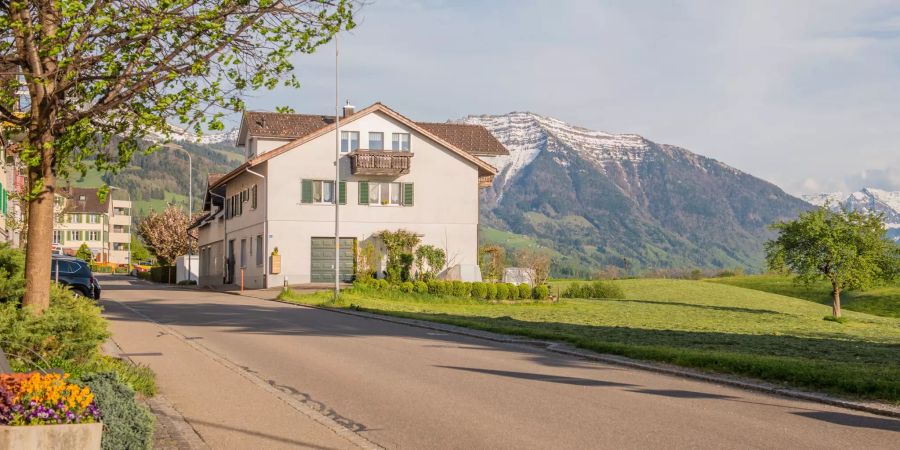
379,162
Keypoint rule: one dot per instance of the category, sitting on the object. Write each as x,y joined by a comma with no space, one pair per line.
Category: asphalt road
406,387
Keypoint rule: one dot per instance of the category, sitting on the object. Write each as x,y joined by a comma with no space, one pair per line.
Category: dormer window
400,142
376,141
349,141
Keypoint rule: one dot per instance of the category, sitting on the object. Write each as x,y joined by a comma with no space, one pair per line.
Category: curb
160,407
350,436
569,350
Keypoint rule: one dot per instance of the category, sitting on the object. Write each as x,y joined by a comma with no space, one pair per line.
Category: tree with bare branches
102,74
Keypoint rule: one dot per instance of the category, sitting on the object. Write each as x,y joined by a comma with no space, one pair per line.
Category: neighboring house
11,181
83,219
395,174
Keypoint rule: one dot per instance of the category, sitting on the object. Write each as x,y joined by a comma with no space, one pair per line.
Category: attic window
81,198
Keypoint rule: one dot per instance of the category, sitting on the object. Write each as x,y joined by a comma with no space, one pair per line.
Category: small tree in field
102,74
84,253
848,249
537,262
167,234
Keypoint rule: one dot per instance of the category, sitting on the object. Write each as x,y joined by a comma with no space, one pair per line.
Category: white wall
445,210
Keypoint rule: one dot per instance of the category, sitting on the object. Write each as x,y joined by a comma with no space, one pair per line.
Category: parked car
76,274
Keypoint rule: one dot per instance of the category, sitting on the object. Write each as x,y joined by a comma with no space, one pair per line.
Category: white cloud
801,93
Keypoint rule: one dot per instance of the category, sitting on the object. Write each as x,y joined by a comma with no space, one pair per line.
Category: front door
229,263
322,260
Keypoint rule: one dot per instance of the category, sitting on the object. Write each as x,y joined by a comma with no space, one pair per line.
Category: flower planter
82,436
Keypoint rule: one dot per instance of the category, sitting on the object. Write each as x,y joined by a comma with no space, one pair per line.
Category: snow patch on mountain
177,134
869,200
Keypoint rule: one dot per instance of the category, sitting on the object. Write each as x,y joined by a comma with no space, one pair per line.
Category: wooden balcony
485,181
379,162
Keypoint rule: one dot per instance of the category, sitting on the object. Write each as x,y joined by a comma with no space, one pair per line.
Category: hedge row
159,274
596,289
466,289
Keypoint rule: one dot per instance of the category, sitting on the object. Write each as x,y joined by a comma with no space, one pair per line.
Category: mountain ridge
620,199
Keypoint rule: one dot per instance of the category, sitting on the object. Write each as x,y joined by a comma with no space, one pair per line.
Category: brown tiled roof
213,177
474,139
484,168
292,126
84,200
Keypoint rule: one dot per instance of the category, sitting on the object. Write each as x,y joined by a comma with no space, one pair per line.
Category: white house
105,227
395,174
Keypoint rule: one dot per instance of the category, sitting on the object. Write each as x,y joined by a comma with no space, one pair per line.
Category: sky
805,94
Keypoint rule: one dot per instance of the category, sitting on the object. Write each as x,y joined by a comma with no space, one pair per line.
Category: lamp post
337,172
190,203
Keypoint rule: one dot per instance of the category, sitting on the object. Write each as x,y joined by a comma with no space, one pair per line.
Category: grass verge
694,324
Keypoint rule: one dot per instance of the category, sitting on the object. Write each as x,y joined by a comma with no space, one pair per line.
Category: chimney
348,110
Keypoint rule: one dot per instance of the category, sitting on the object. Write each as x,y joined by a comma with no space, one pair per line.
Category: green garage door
323,259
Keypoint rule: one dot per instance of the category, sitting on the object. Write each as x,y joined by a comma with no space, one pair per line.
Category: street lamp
190,203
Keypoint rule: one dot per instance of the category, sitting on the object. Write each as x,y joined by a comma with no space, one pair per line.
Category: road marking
298,405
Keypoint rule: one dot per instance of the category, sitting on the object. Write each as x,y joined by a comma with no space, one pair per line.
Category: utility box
187,267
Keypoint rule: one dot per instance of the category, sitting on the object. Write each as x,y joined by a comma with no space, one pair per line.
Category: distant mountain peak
869,200
178,134
604,198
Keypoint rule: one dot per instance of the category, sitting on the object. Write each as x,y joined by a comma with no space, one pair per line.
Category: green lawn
881,301
697,324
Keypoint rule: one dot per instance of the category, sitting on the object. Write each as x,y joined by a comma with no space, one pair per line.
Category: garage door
323,259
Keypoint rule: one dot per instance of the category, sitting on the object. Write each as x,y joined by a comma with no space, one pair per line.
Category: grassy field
709,326
881,301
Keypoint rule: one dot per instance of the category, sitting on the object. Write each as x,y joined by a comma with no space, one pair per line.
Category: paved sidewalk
225,407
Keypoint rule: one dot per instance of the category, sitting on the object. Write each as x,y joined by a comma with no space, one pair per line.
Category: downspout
224,231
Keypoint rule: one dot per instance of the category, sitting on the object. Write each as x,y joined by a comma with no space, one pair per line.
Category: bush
67,335
502,291
490,291
420,287
406,262
162,274
513,291
596,289
524,291
406,287
12,270
460,288
479,290
381,284
187,282
541,292
126,424
605,289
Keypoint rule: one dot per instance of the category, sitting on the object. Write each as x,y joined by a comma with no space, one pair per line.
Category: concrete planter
82,436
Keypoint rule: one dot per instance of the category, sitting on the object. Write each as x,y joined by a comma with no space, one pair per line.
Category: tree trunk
40,229
836,302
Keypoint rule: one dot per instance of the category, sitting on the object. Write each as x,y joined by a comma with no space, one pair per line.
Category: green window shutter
62,237
306,191
363,192
408,194
342,192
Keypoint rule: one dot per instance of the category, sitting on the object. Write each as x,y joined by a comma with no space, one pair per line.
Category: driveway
246,373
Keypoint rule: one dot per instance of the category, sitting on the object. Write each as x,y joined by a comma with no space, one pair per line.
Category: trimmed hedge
463,289
541,292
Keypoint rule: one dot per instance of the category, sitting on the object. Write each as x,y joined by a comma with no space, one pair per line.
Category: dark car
76,274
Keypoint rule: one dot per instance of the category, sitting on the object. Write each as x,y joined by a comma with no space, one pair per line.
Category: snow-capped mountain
601,197
178,134
869,200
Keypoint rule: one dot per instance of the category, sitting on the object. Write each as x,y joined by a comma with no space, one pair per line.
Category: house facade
83,219
394,174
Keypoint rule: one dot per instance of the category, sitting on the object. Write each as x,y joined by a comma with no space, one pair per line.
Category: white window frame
396,142
320,186
375,191
92,235
58,236
347,143
376,133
